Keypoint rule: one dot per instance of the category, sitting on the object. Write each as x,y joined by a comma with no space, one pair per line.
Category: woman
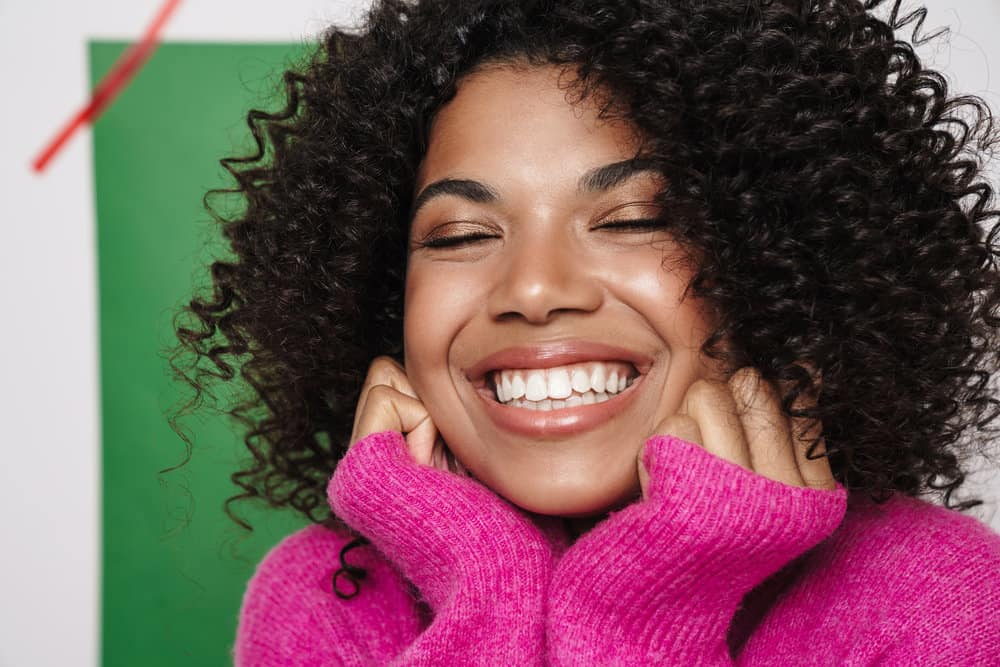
744,213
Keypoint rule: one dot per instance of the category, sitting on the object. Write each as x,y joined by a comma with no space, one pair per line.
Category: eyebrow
598,179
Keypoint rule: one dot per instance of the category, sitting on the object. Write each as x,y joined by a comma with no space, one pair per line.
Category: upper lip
560,353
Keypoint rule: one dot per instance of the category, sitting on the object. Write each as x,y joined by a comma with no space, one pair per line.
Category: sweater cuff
731,517
448,534
661,579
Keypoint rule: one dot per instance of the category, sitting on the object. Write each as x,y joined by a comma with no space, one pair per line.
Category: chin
590,501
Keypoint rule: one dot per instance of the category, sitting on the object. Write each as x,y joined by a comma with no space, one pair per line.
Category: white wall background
49,484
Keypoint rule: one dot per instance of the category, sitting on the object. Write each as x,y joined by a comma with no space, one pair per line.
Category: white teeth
535,389
559,386
517,388
588,398
597,378
573,381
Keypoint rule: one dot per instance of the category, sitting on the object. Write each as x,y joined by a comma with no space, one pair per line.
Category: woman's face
544,294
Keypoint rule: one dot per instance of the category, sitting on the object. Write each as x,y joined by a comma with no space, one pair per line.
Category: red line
111,84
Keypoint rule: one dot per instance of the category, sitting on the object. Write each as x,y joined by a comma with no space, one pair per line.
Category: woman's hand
728,498
481,563
389,403
741,421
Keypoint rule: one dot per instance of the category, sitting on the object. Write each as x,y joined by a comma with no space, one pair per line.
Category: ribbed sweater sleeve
291,617
905,583
480,563
659,581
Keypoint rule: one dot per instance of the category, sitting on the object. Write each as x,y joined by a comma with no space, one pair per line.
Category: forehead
506,115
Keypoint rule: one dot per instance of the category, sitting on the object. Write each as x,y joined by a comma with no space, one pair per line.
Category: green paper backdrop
174,566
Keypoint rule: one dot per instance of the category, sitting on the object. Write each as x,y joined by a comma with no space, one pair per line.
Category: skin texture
545,273
544,270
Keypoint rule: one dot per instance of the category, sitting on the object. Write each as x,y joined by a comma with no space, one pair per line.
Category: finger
389,410
679,426
816,473
384,370
711,405
772,453
421,438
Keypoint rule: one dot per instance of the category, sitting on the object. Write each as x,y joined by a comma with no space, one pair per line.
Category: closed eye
458,240
448,241
643,223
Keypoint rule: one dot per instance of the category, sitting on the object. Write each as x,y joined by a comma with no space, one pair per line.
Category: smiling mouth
561,387
558,388
555,418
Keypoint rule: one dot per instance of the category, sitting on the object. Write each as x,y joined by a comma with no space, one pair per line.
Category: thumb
388,409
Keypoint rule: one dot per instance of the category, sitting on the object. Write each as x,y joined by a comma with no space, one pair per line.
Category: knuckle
681,422
752,391
708,393
678,424
382,364
744,379
381,369
700,390
380,393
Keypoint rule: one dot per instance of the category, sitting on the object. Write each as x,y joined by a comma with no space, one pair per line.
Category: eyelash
643,223
447,241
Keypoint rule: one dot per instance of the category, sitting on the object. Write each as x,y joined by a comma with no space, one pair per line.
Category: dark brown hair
831,188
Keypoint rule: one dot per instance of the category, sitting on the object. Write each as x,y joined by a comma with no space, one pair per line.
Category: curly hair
839,224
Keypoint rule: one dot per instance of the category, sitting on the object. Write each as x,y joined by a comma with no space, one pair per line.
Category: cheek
421,334
654,290
434,317
434,314
652,276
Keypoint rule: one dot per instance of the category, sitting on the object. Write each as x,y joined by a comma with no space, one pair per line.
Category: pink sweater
718,566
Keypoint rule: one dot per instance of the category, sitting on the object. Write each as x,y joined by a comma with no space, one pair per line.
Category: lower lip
564,421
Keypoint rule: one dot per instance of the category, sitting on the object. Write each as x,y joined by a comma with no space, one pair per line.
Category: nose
543,274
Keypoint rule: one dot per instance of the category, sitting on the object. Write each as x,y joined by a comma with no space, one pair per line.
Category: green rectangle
174,566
